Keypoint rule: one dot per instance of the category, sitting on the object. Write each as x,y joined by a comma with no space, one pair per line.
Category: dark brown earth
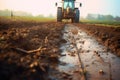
108,36
46,36
17,65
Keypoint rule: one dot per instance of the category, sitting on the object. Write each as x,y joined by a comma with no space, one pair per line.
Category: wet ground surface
99,63
107,36
56,51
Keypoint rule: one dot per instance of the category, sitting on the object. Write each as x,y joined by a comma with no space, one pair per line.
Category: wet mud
56,51
18,38
108,36
96,61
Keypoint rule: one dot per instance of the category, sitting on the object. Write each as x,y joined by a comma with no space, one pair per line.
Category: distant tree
16,13
11,14
90,17
99,17
117,18
5,12
109,17
40,15
51,16
22,13
105,17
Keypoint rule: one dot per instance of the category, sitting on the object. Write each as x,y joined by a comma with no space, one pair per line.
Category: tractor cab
68,4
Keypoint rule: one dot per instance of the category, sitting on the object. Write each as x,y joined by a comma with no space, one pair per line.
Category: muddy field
16,38
31,50
108,36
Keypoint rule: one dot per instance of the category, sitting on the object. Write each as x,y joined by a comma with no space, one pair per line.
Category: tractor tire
77,12
59,14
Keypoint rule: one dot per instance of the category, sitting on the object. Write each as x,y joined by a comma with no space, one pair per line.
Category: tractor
68,11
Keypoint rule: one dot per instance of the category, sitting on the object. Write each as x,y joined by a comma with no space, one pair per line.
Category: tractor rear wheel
59,14
77,15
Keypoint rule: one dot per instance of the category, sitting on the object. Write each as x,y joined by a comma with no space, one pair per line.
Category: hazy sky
47,7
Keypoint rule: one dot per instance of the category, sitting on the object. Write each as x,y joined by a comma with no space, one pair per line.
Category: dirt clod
101,71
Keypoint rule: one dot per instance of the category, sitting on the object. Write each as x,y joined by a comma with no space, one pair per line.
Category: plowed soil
108,36
15,64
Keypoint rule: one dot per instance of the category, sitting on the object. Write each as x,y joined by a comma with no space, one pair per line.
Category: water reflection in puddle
93,55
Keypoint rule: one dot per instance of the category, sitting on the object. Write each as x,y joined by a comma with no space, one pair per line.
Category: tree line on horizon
21,13
88,17
102,17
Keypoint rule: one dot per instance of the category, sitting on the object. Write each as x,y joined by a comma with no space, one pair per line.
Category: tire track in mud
83,58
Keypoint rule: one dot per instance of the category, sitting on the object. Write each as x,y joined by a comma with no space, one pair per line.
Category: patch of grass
102,23
27,18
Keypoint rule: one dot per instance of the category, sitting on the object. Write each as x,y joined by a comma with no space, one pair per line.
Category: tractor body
68,11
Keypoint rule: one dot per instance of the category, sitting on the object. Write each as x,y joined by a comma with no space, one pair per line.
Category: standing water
83,52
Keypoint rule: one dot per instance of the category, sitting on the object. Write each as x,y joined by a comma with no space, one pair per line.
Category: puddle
93,56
